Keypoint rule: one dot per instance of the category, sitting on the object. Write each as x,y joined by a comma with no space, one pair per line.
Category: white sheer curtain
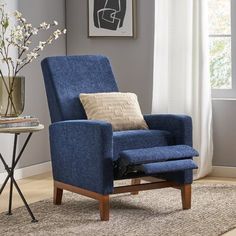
181,77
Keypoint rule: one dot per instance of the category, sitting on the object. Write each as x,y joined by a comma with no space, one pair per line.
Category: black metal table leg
12,175
25,202
10,171
17,160
6,168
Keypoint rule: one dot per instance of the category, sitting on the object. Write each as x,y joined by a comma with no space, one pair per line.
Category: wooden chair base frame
134,188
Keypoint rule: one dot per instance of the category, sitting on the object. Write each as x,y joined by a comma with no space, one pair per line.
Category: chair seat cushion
136,139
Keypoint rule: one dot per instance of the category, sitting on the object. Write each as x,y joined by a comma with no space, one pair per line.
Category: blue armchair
87,156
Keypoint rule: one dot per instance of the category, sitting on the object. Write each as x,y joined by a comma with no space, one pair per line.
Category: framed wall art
111,18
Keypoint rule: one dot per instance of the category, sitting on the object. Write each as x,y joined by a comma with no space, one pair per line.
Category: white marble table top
15,130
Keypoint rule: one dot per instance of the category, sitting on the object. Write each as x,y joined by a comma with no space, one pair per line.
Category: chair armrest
81,152
179,125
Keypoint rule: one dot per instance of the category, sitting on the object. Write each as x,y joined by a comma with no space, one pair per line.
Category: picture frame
112,18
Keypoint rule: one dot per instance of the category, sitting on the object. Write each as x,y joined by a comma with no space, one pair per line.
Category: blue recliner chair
87,156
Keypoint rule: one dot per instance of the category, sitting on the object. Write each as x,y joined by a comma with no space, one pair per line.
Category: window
220,41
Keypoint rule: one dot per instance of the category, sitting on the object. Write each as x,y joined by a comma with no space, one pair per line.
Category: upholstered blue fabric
131,160
81,153
134,139
180,126
84,152
156,154
67,76
167,166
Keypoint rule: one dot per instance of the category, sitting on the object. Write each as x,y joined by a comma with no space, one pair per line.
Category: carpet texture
156,212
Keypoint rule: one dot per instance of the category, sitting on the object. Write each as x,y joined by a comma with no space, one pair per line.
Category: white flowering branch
18,35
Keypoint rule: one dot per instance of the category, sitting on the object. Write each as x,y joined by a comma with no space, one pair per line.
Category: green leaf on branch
2,43
5,23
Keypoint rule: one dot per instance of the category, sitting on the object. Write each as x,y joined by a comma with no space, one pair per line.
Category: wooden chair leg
57,196
104,208
186,196
134,182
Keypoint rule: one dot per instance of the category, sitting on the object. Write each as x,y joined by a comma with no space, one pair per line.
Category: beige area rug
156,212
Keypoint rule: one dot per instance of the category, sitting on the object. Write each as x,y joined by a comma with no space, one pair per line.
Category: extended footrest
157,159
167,166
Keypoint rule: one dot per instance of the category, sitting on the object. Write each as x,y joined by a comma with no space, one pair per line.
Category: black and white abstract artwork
111,18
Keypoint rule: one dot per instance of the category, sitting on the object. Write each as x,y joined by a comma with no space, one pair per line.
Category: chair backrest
66,77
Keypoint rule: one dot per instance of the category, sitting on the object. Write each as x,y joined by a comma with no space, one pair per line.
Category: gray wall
132,59
224,132
35,12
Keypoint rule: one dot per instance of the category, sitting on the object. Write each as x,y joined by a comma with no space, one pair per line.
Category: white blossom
17,34
50,41
19,61
27,34
56,34
34,31
28,26
25,48
17,14
32,55
42,45
19,27
45,25
55,22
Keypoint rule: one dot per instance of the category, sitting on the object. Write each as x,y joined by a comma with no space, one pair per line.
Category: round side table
15,159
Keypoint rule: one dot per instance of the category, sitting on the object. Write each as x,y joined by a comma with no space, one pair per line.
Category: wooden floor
40,187
34,188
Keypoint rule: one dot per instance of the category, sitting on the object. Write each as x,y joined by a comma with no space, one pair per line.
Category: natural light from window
220,43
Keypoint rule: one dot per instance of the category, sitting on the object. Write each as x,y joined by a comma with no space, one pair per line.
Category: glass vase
12,95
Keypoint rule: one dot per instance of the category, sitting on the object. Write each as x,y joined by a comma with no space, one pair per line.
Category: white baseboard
28,171
223,171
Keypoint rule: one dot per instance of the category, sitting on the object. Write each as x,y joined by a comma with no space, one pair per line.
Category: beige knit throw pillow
122,110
